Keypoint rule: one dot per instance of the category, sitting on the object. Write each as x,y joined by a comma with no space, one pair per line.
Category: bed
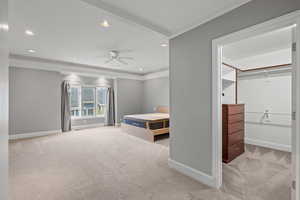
147,126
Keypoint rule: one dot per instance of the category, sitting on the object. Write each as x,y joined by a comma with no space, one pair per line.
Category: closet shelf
225,80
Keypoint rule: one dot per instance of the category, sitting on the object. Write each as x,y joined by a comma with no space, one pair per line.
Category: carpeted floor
106,164
259,174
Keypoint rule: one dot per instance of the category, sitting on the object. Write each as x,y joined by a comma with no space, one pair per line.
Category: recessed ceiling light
141,69
164,45
105,24
29,32
31,51
4,27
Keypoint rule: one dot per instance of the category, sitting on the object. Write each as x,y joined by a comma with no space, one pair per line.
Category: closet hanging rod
269,124
271,113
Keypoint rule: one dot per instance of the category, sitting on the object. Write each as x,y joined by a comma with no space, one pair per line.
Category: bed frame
149,133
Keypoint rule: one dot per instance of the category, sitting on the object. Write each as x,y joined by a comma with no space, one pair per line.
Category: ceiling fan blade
108,61
121,61
128,58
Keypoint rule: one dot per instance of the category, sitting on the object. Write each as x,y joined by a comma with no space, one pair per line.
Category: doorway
291,21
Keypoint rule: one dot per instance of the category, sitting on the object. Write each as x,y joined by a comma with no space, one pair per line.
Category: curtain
65,107
110,113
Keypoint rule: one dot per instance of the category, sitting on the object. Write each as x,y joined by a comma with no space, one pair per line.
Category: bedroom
41,59
56,91
113,99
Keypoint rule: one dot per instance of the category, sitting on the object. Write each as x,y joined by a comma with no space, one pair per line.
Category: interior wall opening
256,117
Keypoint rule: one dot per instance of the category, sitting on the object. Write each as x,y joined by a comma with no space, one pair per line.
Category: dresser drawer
235,109
235,118
235,127
235,150
235,138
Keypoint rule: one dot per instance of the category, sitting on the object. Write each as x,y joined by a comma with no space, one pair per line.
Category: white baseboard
270,145
87,126
193,173
33,134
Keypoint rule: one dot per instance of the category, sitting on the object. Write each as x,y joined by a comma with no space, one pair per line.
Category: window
101,101
88,101
75,101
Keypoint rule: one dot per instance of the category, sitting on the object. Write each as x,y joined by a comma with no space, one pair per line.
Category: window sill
82,118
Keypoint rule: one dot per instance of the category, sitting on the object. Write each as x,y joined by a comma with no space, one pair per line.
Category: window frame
95,116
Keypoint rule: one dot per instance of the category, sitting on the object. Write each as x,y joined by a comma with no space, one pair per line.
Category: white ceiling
169,17
263,44
70,31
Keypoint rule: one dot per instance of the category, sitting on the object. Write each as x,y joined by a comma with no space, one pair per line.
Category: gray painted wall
34,97
129,97
190,79
3,103
156,93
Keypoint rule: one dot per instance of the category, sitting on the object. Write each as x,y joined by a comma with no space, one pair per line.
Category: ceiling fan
114,56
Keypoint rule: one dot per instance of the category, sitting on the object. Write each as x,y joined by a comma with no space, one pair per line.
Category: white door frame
217,44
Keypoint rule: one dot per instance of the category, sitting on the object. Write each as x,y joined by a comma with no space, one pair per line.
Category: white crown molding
208,18
193,173
154,75
78,69
33,134
130,19
68,68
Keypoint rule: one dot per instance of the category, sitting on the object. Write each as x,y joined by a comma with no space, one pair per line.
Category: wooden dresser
233,131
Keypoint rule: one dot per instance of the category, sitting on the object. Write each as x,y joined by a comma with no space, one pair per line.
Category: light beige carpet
259,174
107,164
